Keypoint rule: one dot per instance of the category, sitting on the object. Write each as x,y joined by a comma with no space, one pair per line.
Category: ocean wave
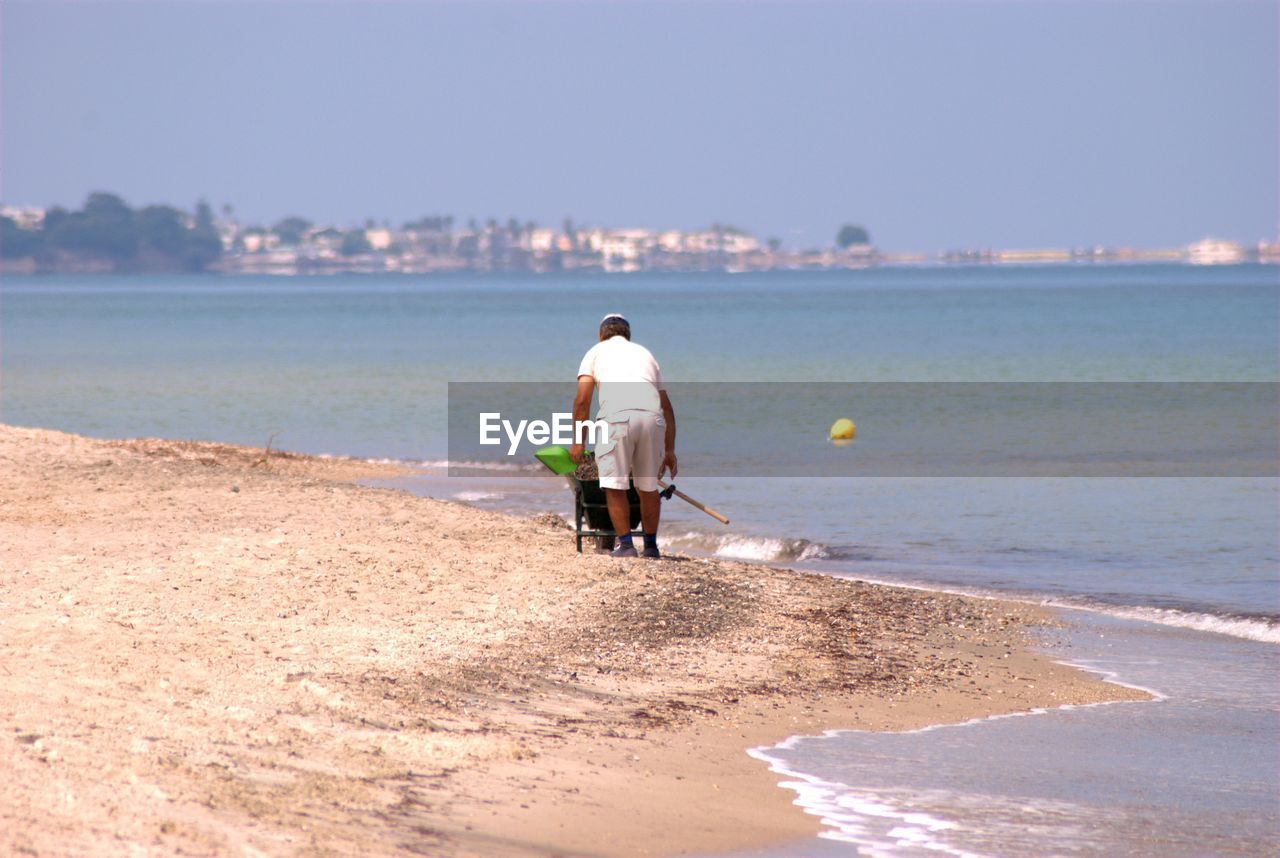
877,823
471,497
469,465
445,464
865,819
759,548
886,822
1262,629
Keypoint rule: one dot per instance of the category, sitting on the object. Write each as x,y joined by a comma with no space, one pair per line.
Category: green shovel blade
557,459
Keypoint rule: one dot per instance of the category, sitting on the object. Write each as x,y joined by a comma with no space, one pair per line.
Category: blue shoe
652,553
624,551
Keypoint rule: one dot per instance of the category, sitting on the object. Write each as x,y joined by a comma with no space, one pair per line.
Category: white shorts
634,449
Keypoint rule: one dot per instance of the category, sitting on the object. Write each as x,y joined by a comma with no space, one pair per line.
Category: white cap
608,316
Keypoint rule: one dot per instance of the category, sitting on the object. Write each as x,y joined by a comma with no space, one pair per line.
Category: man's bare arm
581,409
669,415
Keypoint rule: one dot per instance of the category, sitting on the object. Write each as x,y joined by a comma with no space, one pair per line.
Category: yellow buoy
843,430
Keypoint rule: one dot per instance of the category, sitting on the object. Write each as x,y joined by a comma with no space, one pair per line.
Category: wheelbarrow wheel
605,543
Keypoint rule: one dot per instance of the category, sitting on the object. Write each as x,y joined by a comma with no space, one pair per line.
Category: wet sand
218,650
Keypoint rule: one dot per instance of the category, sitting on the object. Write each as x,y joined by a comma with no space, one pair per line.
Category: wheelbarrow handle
669,490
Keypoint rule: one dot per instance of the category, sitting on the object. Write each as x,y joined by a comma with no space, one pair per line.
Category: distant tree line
850,235
107,230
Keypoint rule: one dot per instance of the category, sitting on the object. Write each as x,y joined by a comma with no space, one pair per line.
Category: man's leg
614,464
619,510
650,511
647,460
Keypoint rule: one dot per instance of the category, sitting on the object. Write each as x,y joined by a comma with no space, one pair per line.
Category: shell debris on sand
587,469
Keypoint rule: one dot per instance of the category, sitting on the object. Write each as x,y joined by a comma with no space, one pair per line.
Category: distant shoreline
108,236
9,271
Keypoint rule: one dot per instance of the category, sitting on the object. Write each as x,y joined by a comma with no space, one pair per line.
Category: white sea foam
404,463
379,460
861,817
468,465
872,820
471,497
741,547
1249,628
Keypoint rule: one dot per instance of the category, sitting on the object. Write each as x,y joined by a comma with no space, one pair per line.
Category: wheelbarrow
591,512
590,506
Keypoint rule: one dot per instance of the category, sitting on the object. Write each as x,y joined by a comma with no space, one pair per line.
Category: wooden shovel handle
708,510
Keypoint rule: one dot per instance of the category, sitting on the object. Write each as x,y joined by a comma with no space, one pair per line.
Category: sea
1170,580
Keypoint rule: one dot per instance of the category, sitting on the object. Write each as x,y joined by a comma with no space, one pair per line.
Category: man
641,444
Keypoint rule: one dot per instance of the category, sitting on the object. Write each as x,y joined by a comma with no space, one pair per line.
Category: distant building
228,232
671,241
1213,251
739,242
719,241
26,217
624,250
1033,256
283,261
259,241
379,239
542,240
590,240
701,242
324,243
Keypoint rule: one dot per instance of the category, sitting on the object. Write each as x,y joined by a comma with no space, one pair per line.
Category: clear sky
937,125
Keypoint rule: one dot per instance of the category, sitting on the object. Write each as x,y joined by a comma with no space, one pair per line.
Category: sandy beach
219,650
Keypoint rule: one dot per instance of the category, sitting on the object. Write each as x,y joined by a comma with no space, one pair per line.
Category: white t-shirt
626,374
